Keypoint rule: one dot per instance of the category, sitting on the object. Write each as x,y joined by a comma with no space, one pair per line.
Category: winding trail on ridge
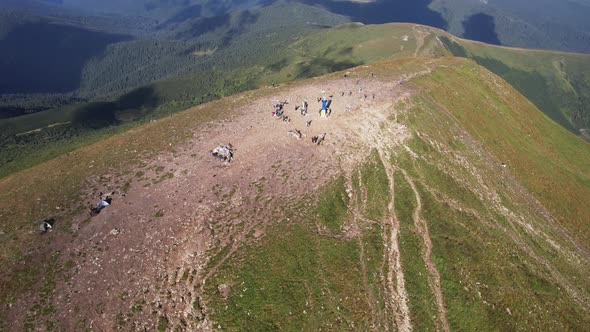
433,275
402,315
197,218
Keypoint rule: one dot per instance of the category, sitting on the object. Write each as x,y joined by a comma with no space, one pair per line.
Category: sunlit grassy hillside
417,224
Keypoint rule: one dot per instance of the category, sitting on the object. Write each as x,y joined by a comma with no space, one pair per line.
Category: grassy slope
556,82
421,299
496,273
464,121
549,161
33,194
488,260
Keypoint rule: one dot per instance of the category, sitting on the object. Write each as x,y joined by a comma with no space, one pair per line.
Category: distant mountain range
62,51
548,24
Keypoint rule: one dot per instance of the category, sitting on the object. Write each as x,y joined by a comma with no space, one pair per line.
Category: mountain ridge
293,225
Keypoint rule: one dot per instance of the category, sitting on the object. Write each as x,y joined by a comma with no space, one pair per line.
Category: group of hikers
223,152
47,225
325,111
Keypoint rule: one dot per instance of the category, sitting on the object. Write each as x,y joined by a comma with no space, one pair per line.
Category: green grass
298,279
479,253
476,263
527,294
301,278
163,177
332,206
284,284
159,214
373,249
162,324
545,158
138,306
421,300
43,307
557,83
376,184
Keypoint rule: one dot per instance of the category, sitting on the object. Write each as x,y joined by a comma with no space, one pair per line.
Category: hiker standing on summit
304,108
324,103
324,108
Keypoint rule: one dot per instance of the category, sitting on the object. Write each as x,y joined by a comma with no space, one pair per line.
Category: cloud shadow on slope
42,57
481,27
321,66
129,107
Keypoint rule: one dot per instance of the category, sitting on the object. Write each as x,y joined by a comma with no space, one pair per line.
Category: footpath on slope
155,242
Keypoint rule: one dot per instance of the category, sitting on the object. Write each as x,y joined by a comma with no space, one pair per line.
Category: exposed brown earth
143,262
151,246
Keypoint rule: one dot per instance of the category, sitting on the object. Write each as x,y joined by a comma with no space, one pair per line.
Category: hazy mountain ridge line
566,107
560,25
255,7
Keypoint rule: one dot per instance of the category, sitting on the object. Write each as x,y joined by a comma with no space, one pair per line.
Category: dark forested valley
58,52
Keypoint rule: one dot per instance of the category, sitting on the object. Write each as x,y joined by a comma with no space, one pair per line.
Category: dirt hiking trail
184,208
433,275
147,259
